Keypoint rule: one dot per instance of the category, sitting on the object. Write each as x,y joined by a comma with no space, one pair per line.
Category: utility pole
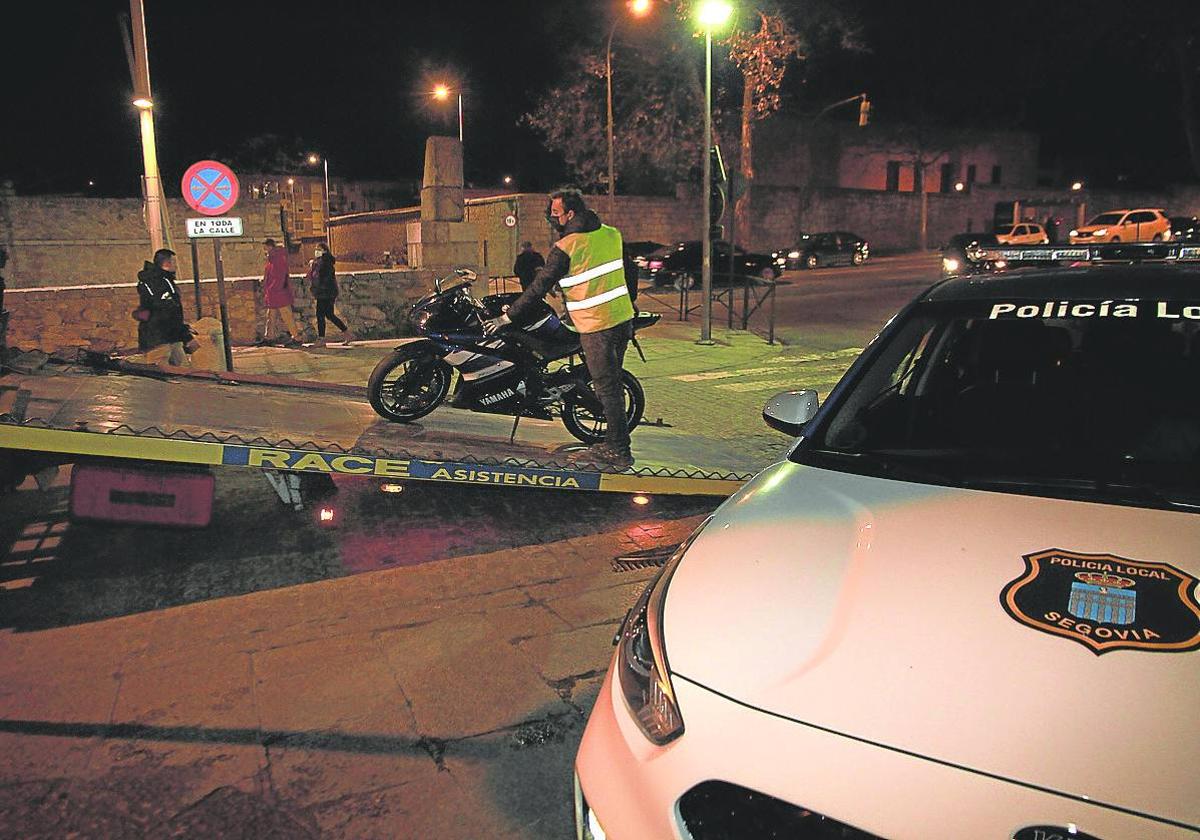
152,184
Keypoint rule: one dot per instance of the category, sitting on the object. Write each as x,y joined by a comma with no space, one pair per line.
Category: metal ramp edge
210,449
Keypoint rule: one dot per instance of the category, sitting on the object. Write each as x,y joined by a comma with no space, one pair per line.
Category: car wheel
811,261
684,281
858,258
1115,239
1157,238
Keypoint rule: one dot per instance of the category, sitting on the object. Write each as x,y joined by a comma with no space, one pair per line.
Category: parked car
838,247
1142,225
1185,228
679,265
963,605
640,250
964,254
1025,233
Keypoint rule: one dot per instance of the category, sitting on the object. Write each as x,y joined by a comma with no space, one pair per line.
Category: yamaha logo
497,397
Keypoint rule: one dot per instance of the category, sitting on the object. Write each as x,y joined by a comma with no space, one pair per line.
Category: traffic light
717,192
864,111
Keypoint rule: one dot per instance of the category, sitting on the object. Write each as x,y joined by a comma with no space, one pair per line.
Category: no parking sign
210,187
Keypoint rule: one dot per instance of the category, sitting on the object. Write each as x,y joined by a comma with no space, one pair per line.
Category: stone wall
71,240
97,317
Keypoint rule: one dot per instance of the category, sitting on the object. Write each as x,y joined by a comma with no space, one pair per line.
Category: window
893,176
995,174
947,177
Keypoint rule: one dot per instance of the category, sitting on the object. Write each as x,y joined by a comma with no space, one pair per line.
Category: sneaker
319,341
290,341
348,338
604,454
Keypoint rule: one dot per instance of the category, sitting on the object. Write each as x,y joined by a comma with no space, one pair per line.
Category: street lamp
639,8
443,93
313,159
710,15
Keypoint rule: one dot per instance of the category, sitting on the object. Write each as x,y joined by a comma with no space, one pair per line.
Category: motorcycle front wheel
584,418
408,384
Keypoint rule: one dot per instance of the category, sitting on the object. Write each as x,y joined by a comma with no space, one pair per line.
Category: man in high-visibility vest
586,263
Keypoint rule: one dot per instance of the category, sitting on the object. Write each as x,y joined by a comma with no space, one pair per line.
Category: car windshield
1107,219
1089,399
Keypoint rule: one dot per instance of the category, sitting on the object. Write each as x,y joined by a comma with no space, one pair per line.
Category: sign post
196,277
211,188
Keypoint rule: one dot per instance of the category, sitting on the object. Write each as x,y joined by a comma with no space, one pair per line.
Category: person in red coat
277,295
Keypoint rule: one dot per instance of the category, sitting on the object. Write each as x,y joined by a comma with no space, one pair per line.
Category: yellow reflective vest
594,288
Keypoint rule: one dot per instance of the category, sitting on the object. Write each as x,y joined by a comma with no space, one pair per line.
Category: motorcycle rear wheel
585,421
408,384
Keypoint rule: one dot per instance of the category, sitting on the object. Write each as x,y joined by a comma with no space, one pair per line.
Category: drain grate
646,559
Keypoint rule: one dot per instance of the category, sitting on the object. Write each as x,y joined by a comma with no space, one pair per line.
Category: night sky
349,80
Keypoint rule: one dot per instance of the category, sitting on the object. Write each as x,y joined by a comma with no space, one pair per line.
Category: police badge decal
1106,602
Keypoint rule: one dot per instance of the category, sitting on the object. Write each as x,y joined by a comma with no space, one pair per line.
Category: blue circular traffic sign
210,187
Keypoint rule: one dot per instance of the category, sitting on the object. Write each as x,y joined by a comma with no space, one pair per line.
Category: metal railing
755,293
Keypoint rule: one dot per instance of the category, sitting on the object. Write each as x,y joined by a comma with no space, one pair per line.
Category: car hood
874,608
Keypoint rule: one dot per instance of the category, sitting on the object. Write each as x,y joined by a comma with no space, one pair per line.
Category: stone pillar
442,240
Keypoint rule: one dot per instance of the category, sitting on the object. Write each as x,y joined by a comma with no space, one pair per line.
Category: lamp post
711,14
145,105
442,92
313,159
639,8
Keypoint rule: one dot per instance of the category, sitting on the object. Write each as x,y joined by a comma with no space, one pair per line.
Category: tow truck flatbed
75,412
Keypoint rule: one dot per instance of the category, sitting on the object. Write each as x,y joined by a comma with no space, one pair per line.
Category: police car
963,606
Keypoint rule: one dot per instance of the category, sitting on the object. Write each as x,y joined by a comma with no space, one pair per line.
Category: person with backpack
322,283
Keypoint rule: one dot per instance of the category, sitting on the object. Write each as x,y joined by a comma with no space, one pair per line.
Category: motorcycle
531,371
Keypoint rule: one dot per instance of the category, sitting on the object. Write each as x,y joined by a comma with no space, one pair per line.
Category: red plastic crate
145,496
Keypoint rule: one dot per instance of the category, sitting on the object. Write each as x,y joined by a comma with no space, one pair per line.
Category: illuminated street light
507,180
443,92
711,14
639,8
313,160
143,104
1077,186
959,186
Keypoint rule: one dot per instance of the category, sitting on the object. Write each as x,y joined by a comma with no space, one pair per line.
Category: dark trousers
604,353
325,310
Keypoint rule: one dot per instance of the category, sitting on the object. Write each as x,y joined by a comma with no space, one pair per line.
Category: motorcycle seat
547,350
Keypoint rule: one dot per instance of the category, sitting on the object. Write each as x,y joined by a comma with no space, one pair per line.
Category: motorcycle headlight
949,264
420,319
642,670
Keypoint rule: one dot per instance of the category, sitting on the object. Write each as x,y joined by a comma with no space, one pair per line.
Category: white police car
964,606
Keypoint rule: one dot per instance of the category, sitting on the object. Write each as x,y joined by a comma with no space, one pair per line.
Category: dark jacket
558,264
322,280
526,266
158,293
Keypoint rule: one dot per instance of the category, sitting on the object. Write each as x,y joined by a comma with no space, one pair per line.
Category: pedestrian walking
322,283
162,334
277,295
527,264
586,264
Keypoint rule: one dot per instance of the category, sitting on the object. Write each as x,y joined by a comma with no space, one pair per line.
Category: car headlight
1073,233
642,670
949,264
1100,232
793,255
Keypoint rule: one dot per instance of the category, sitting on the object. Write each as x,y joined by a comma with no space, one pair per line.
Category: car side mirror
789,411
